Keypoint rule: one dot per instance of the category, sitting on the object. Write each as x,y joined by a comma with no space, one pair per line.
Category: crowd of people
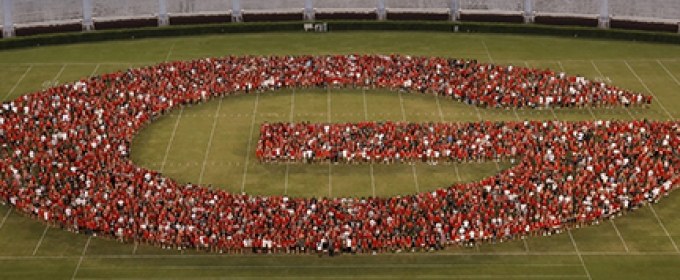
65,158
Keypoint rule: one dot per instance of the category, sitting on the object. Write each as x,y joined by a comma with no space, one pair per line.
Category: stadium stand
659,15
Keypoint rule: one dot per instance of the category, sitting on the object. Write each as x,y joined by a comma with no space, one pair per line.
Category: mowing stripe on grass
250,142
212,133
619,234
18,82
664,228
82,256
42,237
658,101
578,253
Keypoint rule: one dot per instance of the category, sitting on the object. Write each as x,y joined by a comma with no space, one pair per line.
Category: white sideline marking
41,240
82,256
5,218
648,90
18,82
250,141
620,236
664,228
212,133
172,138
583,263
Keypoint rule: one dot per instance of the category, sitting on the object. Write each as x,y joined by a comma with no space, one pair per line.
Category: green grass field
214,144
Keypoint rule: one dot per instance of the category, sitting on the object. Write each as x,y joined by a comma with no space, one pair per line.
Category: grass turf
634,246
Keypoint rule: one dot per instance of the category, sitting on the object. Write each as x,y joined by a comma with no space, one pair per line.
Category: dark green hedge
437,26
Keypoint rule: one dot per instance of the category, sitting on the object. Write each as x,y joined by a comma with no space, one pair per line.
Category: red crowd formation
64,157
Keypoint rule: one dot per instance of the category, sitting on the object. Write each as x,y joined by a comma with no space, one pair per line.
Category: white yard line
95,70
82,256
18,82
669,72
648,90
212,134
439,107
292,111
413,165
583,263
664,228
250,141
602,77
363,91
5,218
167,57
488,53
134,250
396,265
37,246
372,179
172,138
619,234
526,63
588,105
330,164
436,276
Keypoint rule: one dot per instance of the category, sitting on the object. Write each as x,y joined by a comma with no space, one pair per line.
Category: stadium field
214,144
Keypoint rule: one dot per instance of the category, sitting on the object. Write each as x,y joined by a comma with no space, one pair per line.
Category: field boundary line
212,134
625,246
658,101
2,223
17,83
82,256
250,141
42,237
578,253
658,219
172,138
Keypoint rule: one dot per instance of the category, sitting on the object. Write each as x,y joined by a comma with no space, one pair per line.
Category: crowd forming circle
65,157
